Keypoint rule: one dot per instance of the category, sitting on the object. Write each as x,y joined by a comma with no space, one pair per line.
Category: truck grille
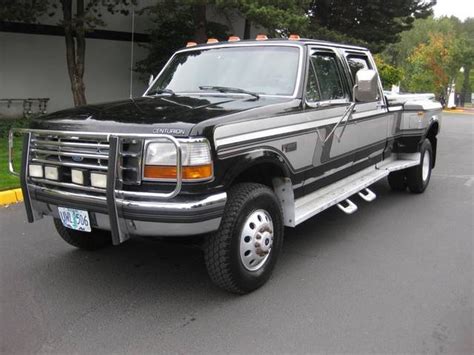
70,152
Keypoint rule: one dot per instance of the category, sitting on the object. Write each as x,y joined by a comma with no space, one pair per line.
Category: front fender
247,160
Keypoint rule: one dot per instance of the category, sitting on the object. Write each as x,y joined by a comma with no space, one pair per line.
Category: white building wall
34,65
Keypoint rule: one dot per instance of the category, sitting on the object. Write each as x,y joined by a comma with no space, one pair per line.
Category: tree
78,17
426,74
398,53
374,22
22,11
389,74
466,30
435,64
279,18
176,22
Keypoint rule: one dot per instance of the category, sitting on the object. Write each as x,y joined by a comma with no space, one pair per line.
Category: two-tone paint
283,136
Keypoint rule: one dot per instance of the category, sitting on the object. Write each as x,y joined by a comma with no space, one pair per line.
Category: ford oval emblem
77,158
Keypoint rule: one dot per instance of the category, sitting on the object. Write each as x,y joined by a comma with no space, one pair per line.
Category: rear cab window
356,62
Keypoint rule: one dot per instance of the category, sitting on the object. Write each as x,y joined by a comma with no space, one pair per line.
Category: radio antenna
131,50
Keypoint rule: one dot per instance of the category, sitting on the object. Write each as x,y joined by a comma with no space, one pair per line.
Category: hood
174,114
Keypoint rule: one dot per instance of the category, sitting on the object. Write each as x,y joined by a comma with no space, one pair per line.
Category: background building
33,60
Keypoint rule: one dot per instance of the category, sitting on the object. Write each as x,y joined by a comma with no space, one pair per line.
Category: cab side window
312,87
357,63
324,79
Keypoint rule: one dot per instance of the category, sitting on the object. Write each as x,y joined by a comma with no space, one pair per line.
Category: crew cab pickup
232,142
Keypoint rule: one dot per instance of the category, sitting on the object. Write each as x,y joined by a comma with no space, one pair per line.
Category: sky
459,8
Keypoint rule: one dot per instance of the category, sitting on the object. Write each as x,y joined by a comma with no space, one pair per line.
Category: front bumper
181,216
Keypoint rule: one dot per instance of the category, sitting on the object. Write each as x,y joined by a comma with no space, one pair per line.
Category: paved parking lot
397,276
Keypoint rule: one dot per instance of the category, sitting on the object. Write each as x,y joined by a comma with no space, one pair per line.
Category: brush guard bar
114,184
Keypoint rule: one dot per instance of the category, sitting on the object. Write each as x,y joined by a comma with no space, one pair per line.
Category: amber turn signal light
212,40
233,39
198,172
191,44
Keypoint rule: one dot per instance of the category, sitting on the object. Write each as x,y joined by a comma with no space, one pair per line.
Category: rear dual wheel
415,178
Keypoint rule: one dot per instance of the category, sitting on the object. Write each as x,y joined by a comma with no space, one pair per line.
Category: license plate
75,219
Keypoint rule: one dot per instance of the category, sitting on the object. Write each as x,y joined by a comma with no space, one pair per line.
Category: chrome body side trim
201,204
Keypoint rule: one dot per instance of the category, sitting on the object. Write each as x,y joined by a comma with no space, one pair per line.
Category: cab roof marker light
261,37
233,39
191,44
294,37
212,40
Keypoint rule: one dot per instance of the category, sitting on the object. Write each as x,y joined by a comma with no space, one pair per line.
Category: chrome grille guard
114,183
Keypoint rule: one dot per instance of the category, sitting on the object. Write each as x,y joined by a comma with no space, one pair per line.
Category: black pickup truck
232,141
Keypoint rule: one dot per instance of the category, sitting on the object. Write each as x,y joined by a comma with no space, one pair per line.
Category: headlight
160,160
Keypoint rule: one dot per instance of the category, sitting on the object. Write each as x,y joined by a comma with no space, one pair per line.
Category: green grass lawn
8,181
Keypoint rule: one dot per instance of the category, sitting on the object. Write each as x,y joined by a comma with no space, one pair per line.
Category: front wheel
241,255
418,177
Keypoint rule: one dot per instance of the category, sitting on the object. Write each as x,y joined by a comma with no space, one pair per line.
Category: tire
251,229
97,239
418,177
397,180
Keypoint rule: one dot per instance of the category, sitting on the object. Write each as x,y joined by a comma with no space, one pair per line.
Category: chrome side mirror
150,81
366,88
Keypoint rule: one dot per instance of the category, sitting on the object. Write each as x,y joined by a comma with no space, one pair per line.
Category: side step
349,209
328,196
367,195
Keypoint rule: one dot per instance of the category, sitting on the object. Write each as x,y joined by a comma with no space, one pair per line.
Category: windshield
267,70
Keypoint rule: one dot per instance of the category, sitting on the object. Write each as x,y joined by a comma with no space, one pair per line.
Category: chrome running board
328,196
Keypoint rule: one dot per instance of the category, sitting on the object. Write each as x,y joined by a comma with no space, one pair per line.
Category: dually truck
232,142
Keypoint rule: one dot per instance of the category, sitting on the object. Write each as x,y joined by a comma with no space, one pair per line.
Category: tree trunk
200,22
74,35
466,86
247,28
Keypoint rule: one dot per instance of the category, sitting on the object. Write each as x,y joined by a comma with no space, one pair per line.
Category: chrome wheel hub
256,240
425,170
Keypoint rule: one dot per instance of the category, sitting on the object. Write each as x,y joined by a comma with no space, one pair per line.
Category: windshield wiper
161,91
230,90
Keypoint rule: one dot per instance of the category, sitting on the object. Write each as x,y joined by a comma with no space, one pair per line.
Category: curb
466,112
10,196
